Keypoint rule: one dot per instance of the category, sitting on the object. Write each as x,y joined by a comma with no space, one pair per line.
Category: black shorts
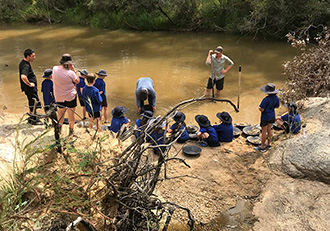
31,95
104,103
218,84
94,114
81,101
264,123
69,104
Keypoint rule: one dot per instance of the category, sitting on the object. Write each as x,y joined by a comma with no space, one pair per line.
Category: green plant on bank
37,187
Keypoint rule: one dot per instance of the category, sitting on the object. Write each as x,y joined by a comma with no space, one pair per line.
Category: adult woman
64,79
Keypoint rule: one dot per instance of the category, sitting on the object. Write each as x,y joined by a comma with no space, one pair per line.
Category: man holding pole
217,60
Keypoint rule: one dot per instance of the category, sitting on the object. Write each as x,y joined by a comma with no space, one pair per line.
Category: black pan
192,129
242,125
276,127
255,140
251,131
237,132
191,150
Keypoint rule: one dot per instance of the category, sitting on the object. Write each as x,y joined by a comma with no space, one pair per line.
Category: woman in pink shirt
64,79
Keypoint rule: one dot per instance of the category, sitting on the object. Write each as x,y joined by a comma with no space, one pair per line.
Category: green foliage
266,18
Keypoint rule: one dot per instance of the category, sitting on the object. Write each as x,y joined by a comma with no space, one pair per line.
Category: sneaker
268,147
260,149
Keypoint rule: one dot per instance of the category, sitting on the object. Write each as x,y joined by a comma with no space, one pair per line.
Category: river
175,61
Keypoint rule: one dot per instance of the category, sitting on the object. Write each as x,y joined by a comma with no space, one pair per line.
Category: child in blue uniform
179,125
100,84
225,130
47,89
118,119
290,121
206,132
142,123
92,101
267,108
79,88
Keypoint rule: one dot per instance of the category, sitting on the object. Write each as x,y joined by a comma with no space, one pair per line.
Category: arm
231,64
261,109
26,81
76,80
208,58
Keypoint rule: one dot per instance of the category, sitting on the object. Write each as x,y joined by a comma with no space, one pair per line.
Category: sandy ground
220,187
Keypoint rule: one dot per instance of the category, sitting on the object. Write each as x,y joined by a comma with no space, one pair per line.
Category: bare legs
208,92
266,135
60,117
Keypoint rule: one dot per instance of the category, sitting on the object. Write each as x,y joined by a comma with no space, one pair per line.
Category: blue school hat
102,72
179,117
118,111
84,72
269,88
47,73
203,121
224,117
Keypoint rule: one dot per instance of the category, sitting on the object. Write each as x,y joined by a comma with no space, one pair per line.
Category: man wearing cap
79,88
218,70
28,83
145,90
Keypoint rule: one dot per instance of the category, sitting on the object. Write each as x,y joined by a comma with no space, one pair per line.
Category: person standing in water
218,70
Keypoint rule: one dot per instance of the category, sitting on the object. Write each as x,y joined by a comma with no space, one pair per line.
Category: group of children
92,97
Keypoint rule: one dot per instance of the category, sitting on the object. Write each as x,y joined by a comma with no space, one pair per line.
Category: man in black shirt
28,82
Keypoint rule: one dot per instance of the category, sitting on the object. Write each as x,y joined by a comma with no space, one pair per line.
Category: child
143,122
118,119
206,132
47,89
92,101
157,137
179,125
267,108
100,84
80,87
290,121
225,130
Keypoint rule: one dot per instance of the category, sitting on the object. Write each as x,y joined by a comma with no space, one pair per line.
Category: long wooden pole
239,84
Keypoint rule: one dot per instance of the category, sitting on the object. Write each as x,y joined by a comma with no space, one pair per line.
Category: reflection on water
175,61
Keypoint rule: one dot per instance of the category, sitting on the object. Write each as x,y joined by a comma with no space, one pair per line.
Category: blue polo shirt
269,103
225,132
80,85
116,123
100,84
92,99
212,141
47,91
185,135
294,122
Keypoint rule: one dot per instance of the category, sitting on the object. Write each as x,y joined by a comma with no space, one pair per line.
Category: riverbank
230,187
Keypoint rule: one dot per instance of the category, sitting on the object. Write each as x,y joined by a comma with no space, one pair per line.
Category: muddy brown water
175,61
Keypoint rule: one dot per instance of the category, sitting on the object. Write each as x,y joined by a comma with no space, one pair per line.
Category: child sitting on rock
290,121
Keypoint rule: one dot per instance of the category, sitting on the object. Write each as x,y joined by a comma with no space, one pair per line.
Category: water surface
175,61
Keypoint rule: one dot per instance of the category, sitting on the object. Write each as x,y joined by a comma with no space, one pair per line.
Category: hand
154,108
32,85
210,52
139,109
223,71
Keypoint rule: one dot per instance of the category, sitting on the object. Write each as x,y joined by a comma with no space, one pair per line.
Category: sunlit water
175,61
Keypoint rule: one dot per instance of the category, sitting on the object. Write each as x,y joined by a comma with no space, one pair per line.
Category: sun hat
118,111
179,117
219,49
84,72
202,121
66,59
147,114
224,117
269,88
102,72
293,106
47,73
